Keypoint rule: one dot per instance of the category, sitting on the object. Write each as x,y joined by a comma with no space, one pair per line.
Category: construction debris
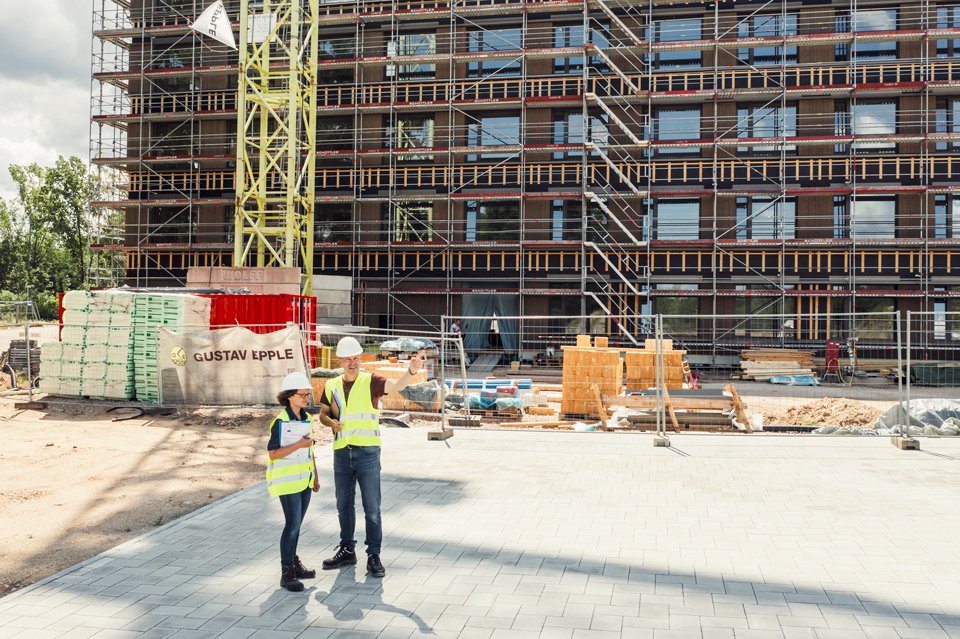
828,411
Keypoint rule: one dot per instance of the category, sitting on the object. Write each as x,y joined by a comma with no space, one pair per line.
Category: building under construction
565,157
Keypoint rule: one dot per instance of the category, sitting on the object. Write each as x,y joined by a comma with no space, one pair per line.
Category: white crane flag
215,23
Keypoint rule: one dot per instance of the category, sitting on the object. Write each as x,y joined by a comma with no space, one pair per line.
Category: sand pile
829,411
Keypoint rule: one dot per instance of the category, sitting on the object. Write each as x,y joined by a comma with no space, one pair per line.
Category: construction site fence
857,365
845,368
932,359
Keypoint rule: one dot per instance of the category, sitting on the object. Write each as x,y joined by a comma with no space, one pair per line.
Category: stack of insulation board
642,366
95,355
584,366
179,313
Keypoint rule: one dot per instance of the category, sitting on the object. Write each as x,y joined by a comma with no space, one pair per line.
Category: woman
292,472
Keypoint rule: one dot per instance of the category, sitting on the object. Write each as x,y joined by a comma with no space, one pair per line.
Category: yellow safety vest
286,476
359,418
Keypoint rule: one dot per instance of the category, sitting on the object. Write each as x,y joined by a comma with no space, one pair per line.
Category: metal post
443,372
901,413
909,358
26,343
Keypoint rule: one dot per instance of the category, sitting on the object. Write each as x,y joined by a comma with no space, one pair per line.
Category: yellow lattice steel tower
276,135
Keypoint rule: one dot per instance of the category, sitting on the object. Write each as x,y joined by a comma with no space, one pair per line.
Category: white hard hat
348,347
295,381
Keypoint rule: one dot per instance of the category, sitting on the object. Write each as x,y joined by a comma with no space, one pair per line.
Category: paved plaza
517,535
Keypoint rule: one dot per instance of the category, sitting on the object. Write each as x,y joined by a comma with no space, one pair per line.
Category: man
455,328
349,406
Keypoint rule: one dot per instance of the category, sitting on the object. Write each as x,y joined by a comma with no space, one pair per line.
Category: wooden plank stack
642,366
760,364
583,367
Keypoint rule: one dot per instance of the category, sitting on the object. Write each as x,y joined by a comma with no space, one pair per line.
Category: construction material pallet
496,414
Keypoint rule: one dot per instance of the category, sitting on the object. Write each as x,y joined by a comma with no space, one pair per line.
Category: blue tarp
794,380
490,384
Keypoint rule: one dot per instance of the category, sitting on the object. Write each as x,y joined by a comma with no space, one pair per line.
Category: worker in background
350,407
291,476
455,328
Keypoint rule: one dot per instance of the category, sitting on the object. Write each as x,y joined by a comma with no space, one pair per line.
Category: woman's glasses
305,394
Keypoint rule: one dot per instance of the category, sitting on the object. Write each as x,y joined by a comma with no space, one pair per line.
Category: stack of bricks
585,365
642,366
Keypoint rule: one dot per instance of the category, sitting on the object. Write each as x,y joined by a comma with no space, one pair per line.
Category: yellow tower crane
277,135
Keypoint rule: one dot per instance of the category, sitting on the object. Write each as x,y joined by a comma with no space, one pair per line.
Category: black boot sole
340,564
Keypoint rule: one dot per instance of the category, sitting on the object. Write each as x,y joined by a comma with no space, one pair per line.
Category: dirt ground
73,483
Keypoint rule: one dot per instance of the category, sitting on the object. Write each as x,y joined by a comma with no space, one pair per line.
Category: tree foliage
44,232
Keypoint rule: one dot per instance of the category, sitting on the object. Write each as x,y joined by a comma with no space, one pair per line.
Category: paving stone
483,542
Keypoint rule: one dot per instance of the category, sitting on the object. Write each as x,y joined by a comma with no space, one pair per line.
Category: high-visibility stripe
359,416
361,432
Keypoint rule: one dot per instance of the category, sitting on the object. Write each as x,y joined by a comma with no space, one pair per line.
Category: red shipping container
265,314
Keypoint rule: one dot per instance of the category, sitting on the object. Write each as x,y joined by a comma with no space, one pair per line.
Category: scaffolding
575,155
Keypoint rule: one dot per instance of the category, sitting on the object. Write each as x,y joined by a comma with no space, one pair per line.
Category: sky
44,82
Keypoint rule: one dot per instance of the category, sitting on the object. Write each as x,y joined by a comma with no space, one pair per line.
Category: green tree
44,232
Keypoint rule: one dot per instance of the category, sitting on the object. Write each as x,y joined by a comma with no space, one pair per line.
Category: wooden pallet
496,414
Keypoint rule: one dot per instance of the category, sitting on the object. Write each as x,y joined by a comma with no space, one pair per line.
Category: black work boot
343,557
288,579
375,566
302,571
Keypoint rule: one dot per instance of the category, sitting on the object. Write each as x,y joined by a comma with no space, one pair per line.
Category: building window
948,121
571,35
682,30
492,221
840,216
678,123
766,219
415,44
565,220
409,221
493,130
877,327
680,312
767,312
413,132
333,135
677,219
873,217
875,119
946,216
337,47
768,26
948,18
766,122
333,222
495,40
868,21
568,129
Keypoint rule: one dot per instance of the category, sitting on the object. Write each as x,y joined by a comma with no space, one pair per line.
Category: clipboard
290,433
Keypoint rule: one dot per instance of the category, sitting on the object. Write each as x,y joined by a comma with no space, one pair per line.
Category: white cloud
38,122
44,81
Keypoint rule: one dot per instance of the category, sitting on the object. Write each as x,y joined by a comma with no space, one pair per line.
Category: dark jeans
351,466
294,508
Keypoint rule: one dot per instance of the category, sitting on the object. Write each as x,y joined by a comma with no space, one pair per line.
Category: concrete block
439,435
659,441
905,443
257,280
332,283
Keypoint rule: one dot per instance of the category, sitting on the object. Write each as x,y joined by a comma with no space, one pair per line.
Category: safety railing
880,171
